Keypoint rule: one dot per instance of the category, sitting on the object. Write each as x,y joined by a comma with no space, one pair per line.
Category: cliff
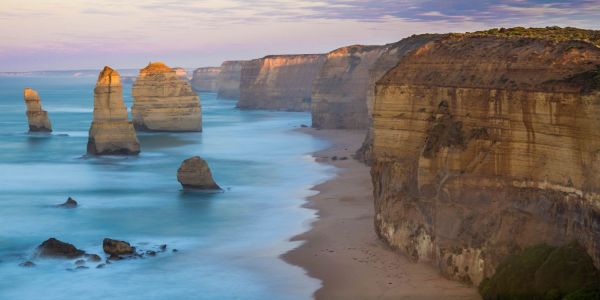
163,101
279,82
339,93
385,62
111,131
487,143
206,79
228,82
36,117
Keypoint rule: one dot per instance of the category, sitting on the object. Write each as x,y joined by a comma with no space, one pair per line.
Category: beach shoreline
341,248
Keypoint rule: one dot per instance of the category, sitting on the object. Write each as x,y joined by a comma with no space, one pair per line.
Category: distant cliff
339,94
279,82
228,82
206,79
487,143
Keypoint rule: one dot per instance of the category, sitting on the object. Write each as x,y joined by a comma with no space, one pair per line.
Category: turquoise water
228,242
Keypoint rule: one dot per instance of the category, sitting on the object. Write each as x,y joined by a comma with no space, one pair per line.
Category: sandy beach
342,248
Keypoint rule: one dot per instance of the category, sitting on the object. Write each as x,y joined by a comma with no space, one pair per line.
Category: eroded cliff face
206,79
385,62
111,132
279,82
339,94
163,101
36,116
228,82
484,145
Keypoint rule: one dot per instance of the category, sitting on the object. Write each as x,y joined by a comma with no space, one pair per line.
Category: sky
88,34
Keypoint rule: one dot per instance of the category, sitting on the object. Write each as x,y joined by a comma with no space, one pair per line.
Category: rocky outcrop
162,101
36,116
195,173
487,143
206,79
111,132
116,247
228,82
339,93
70,203
279,82
385,62
55,248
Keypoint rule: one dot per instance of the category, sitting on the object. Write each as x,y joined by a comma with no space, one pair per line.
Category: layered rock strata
37,117
228,82
485,144
206,79
279,82
162,101
385,62
111,131
339,93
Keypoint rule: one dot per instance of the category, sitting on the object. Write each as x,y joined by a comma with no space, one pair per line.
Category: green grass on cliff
546,273
554,33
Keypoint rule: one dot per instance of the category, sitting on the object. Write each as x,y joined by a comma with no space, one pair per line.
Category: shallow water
228,242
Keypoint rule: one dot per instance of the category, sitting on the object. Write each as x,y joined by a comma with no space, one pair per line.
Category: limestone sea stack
228,82
279,82
163,101
111,132
194,173
36,116
206,79
487,143
339,93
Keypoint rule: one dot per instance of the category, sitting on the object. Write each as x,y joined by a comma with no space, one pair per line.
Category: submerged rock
70,203
27,264
116,247
195,173
163,101
36,116
111,132
55,248
93,257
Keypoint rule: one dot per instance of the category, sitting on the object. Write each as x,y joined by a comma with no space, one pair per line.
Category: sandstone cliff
206,79
162,101
339,93
37,117
111,131
228,83
386,61
487,143
279,82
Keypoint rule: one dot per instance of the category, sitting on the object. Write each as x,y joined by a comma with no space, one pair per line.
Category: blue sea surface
229,242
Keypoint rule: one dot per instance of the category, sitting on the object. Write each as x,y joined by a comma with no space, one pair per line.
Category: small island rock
116,247
37,117
55,248
195,173
70,203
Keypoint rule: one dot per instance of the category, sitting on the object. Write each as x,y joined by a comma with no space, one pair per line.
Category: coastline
341,248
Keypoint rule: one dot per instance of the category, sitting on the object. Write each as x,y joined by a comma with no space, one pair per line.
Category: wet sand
342,249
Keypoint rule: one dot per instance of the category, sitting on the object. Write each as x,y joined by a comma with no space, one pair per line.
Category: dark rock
55,248
70,203
194,173
116,247
163,248
27,264
175,250
80,262
93,257
151,253
303,126
100,266
114,257
81,268
343,158
334,158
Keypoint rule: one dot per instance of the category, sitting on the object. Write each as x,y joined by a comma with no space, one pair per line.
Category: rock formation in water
111,132
162,101
339,93
116,247
228,82
70,203
195,173
487,143
386,61
55,248
279,82
36,116
206,79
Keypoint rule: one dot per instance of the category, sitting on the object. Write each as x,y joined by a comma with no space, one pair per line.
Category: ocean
228,242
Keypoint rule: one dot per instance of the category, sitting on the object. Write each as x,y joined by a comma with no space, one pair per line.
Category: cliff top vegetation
554,33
